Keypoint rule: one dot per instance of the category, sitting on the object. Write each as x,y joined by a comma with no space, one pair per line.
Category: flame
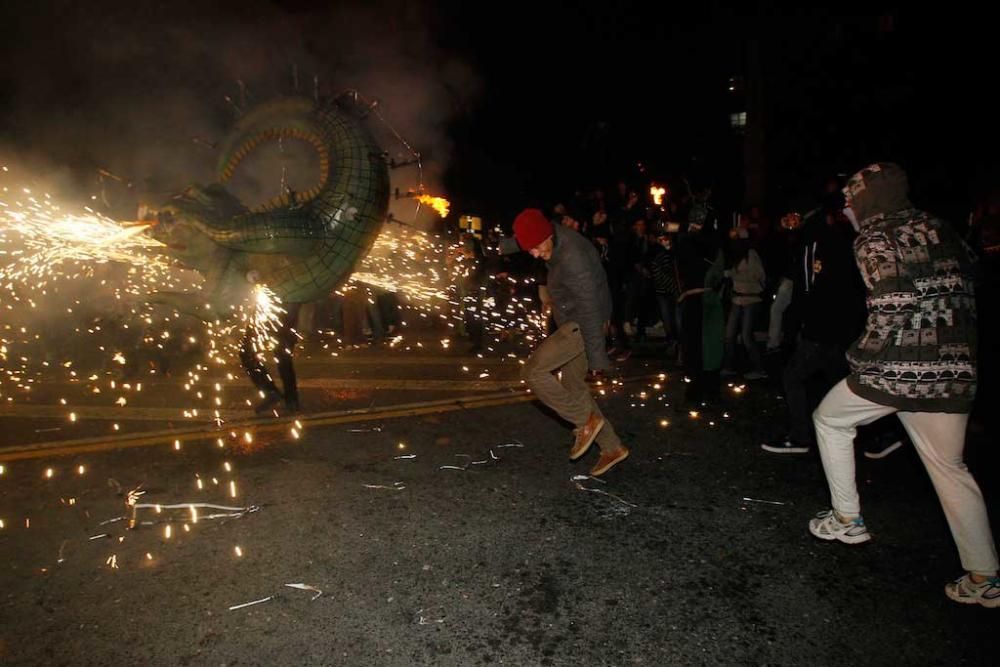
657,193
439,204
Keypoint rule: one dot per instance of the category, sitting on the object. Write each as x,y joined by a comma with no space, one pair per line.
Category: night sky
516,103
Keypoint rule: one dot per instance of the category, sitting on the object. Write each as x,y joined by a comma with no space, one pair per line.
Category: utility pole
754,162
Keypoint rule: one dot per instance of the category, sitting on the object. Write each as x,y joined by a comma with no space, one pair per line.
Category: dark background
518,103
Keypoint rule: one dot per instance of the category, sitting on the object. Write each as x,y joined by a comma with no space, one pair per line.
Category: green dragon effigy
301,245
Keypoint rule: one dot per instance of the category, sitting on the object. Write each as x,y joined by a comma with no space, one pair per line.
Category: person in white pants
916,358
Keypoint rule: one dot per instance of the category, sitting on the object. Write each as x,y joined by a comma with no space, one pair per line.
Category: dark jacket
664,271
579,291
918,350
832,296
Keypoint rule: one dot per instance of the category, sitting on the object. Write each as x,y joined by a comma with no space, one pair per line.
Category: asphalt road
461,539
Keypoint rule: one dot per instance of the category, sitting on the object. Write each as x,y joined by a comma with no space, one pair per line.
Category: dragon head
180,224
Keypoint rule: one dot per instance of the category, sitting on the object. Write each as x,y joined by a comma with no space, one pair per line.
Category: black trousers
704,385
286,339
811,371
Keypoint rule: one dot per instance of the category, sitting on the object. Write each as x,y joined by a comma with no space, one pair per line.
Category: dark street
463,538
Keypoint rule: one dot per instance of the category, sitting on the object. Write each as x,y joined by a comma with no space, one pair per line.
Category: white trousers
939,438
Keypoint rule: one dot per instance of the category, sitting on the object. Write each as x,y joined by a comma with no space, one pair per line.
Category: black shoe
270,399
785,446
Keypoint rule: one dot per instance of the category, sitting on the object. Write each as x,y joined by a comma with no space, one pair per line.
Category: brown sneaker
609,460
585,436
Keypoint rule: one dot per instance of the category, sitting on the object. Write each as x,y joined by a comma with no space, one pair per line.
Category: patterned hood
876,191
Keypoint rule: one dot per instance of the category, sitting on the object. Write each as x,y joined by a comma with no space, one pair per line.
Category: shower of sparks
46,239
265,318
77,310
426,272
78,287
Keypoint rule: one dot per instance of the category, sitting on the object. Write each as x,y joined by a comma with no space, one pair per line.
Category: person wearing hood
830,299
916,358
581,307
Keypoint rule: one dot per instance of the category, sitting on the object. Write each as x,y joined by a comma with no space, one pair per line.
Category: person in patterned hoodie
917,358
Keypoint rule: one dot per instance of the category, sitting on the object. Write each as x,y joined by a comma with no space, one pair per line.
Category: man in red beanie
581,306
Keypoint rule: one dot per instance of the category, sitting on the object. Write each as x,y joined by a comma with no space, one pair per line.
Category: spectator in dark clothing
600,234
984,237
619,267
703,214
632,210
786,263
637,280
832,307
664,271
699,271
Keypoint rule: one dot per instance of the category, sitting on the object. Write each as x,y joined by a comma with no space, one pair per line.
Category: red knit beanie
531,227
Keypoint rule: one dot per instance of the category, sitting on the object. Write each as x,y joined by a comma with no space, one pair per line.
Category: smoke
129,87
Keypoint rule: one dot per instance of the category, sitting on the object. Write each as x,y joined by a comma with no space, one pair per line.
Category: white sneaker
966,591
826,526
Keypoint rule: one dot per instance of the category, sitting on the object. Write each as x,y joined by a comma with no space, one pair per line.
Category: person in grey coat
581,307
